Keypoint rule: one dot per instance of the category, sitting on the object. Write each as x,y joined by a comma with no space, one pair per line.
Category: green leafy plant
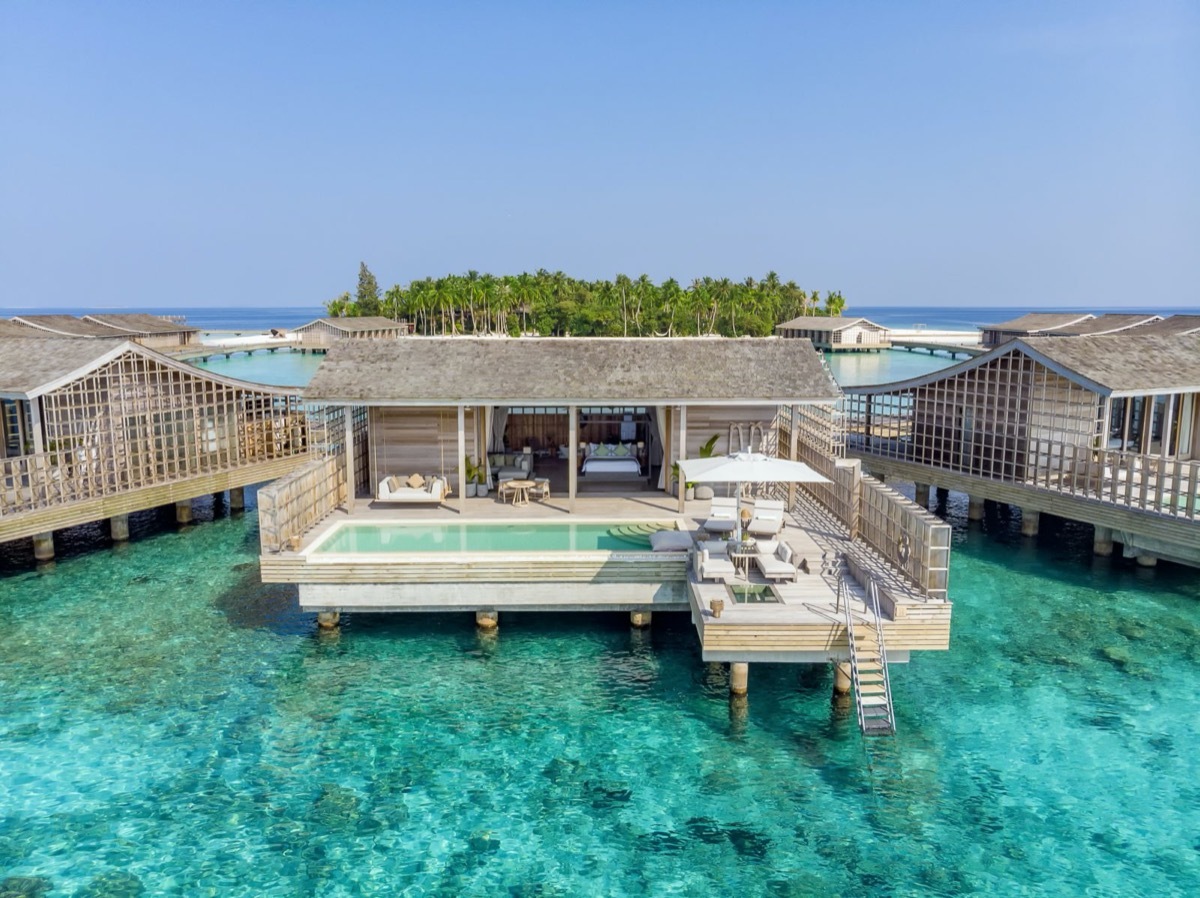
708,450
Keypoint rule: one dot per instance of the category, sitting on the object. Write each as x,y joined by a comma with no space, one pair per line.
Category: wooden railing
913,542
1148,483
292,504
61,476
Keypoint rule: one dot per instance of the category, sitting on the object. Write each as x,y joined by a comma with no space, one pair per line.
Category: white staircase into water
868,661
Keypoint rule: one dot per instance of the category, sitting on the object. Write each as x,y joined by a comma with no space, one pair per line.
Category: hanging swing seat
414,490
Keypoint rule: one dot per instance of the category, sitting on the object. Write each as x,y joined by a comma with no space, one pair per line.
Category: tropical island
553,304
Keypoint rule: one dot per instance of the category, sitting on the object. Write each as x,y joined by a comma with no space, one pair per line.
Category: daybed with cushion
768,518
611,458
777,561
415,489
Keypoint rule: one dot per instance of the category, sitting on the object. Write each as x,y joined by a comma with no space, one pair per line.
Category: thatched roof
28,363
356,325
1175,324
141,323
70,326
1125,363
825,323
1105,324
566,371
21,331
1038,322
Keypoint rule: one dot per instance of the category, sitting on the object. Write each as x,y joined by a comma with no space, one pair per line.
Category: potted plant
481,484
472,472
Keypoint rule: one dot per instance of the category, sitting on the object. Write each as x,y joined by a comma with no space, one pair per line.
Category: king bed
611,458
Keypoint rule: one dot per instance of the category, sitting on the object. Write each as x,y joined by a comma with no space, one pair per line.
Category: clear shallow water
170,719
284,369
485,538
852,369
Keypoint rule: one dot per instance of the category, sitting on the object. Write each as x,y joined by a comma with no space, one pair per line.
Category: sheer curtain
660,414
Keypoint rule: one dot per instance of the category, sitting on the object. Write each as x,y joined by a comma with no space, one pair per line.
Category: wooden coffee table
519,491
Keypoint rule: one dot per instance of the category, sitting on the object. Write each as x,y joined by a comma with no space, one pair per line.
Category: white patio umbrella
747,467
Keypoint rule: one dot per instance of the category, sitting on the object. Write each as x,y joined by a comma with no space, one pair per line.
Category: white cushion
670,541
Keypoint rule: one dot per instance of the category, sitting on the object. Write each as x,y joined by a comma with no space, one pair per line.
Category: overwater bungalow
1105,324
154,331
96,429
1104,430
70,326
1173,325
1032,325
363,328
836,334
585,433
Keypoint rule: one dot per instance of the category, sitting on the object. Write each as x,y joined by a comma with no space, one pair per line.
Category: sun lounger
767,520
777,562
722,515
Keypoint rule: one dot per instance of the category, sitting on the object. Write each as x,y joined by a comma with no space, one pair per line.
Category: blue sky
960,154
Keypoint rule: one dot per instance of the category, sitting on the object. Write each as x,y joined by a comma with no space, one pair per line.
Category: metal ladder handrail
872,596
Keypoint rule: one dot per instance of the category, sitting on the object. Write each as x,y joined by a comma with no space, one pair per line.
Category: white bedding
595,464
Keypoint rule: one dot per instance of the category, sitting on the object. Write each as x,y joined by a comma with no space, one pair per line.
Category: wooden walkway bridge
204,352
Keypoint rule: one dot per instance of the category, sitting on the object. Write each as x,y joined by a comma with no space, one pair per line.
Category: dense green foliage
552,304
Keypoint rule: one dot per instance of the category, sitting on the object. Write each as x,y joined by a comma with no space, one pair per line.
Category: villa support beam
640,619
183,512
350,478
573,456
118,525
237,498
328,620
1029,522
974,508
682,485
462,458
739,678
921,494
43,546
1102,542
487,620
1144,560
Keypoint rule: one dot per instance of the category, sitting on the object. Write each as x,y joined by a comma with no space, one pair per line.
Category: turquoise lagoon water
171,724
489,537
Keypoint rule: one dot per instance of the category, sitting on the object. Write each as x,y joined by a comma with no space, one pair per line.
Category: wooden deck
806,626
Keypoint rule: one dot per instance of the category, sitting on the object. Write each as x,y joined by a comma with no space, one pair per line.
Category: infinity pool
604,536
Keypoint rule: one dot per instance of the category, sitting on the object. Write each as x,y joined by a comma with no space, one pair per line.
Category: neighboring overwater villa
1101,429
575,443
95,429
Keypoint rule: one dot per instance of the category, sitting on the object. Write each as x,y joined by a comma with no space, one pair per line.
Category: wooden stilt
118,524
43,546
739,678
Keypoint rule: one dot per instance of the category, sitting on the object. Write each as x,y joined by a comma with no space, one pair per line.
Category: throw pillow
621,451
416,481
393,483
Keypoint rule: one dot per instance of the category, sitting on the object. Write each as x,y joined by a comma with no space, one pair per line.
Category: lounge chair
777,561
713,564
767,520
722,515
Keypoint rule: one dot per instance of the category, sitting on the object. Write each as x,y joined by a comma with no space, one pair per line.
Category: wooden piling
1102,542
183,512
739,678
640,619
43,546
487,620
1029,522
118,525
